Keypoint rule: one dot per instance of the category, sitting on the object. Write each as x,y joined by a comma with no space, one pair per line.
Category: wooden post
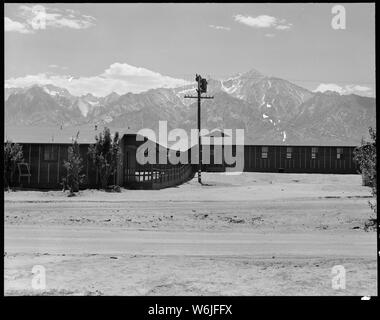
87,178
30,147
39,163
59,149
198,78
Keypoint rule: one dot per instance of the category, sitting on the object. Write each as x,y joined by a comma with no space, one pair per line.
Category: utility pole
202,88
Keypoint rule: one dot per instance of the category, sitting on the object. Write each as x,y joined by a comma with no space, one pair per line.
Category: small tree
365,155
12,155
104,154
73,167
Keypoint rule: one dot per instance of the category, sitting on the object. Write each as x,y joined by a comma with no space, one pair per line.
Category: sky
100,48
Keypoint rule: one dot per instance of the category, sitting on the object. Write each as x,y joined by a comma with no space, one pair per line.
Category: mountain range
270,110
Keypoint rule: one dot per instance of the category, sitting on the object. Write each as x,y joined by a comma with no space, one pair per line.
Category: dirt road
232,239
87,240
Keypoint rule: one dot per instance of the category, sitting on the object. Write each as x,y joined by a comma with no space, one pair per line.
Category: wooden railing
157,176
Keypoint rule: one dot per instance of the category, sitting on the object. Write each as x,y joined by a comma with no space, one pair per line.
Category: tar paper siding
301,160
48,173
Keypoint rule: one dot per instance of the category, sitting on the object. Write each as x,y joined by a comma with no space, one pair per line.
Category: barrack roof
56,134
87,133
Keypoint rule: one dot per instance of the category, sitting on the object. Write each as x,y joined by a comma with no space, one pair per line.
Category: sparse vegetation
12,155
73,166
104,154
365,155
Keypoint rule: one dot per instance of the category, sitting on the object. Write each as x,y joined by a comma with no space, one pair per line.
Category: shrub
12,155
365,155
104,154
73,167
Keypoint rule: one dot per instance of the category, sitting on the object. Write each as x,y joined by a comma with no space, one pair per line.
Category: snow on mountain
83,107
283,136
51,92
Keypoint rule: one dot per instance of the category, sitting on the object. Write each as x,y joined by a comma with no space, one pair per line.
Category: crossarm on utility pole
195,97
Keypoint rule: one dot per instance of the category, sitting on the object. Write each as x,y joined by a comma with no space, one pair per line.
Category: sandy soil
249,234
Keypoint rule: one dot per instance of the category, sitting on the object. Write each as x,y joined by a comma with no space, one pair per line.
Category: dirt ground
249,234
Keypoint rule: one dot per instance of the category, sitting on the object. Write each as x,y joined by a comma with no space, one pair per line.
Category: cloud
55,66
270,35
39,17
347,89
219,27
263,21
56,18
283,27
118,77
15,26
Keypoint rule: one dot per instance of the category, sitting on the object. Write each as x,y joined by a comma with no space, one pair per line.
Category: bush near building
73,166
365,155
104,154
12,155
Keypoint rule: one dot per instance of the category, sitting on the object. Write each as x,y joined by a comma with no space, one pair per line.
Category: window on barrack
339,153
50,152
314,152
289,151
264,152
